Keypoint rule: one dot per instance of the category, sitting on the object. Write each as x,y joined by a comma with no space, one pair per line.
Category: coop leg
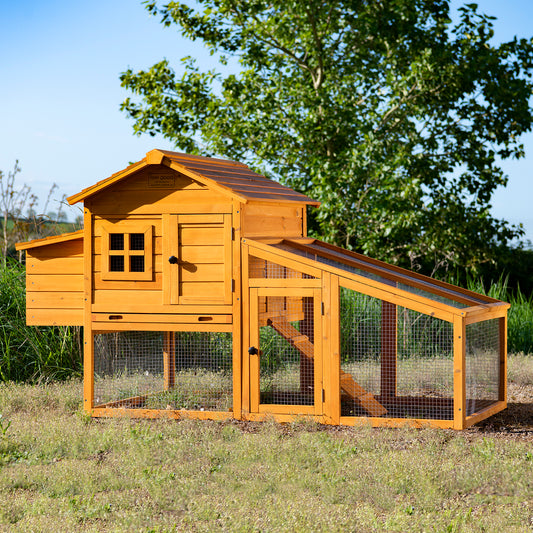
388,350
169,360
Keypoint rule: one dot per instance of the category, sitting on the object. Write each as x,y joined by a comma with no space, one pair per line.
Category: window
126,253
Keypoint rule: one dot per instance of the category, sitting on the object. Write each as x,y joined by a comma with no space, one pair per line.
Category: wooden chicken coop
201,296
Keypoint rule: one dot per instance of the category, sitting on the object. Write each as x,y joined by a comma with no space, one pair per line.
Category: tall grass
519,318
29,353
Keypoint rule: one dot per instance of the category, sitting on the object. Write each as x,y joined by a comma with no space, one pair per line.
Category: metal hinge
323,395
322,308
232,285
232,234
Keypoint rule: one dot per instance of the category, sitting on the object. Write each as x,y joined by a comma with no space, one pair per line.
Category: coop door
284,352
197,259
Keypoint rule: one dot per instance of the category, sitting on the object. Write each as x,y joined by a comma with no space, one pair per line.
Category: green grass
29,353
61,471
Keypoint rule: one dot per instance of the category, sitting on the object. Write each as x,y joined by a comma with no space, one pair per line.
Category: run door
285,351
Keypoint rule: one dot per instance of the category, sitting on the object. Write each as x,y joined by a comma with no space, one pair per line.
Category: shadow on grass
516,419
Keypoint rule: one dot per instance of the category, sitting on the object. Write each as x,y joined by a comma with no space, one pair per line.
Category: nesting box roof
230,178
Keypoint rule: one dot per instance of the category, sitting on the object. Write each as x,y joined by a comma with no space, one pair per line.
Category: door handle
253,350
173,260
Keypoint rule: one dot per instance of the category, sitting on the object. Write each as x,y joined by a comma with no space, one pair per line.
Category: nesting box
201,296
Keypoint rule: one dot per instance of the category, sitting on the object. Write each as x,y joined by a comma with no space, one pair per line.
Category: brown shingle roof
228,177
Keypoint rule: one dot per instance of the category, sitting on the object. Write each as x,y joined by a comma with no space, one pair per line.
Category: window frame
127,253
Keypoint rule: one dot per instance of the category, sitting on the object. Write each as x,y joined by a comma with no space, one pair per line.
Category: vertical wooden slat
317,364
335,347
229,280
169,360
503,359
459,373
245,360
235,250
254,359
388,350
88,348
166,253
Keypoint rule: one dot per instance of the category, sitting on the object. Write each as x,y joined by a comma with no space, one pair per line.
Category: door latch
253,350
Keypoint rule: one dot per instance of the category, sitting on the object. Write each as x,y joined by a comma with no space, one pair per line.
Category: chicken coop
201,296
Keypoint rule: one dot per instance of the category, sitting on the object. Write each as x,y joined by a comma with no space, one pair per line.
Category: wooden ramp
348,385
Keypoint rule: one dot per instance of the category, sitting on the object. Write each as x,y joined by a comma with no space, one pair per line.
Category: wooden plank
126,224
164,326
235,248
58,265
228,256
54,282
171,318
284,282
246,329
485,413
55,300
164,309
202,219
155,284
388,350
485,312
170,180
174,272
332,362
167,222
71,248
120,412
400,298
260,209
126,300
395,422
54,317
202,254
88,337
254,359
283,418
157,246
318,364
459,373
169,360
204,272
203,290
294,410
157,267
46,241
502,392
200,234
255,226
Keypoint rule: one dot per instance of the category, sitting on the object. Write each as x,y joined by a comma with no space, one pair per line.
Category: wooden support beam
169,360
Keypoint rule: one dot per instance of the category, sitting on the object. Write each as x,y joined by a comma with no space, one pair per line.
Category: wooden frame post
388,350
88,336
459,372
169,360
503,359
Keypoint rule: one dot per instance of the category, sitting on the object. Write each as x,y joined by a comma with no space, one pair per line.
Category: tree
386,112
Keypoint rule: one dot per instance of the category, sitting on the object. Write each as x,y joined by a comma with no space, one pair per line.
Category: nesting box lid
230,178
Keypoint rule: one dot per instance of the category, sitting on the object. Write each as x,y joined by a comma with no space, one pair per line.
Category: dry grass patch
61,471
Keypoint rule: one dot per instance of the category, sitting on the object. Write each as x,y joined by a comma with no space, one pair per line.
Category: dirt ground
514,422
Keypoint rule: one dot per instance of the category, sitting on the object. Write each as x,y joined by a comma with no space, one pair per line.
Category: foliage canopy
391,115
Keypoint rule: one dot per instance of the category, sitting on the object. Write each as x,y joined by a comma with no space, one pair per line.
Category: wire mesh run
482,365
287,352
395,362
261,268
164,370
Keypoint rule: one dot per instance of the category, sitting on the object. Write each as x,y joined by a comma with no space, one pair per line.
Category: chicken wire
287,351
482,365
163,370
401,361
262,268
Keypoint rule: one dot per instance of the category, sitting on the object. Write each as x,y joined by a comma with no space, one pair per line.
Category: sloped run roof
45,241
230,178
374,273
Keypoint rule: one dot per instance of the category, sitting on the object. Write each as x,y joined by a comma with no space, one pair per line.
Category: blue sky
60,92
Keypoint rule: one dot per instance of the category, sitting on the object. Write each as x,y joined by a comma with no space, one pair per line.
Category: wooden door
197,263
285,351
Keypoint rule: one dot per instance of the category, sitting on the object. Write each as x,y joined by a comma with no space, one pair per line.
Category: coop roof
230,178
312,253
54,239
